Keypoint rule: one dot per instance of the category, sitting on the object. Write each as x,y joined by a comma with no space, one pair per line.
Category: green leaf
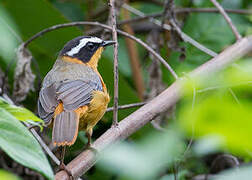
19,144
22,114
5,175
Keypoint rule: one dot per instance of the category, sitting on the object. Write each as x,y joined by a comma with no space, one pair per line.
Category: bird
73,95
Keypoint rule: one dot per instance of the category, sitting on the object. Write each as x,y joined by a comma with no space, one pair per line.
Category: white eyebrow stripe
82,43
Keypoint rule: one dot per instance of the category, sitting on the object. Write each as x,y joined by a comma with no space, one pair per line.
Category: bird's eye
91,46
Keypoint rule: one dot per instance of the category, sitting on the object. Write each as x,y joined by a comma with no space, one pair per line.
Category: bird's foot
88,146
63,167
115,124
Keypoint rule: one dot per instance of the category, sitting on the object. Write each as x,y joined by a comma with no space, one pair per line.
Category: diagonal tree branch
83,162
227,18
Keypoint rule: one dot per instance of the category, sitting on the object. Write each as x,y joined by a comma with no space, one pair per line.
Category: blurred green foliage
147,158
223,111
9,41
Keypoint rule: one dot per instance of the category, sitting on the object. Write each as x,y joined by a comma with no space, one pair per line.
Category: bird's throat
93,62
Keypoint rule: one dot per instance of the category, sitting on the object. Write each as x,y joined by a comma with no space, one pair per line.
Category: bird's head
84,50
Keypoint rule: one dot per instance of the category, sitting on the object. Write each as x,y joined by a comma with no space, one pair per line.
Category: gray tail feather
65,128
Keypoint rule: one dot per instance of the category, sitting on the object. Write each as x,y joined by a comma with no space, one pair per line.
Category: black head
83,47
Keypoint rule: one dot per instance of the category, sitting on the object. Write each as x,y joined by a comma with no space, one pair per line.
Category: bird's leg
62,166
62,156
89,135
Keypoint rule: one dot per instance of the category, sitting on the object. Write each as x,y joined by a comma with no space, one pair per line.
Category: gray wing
47,103
73,94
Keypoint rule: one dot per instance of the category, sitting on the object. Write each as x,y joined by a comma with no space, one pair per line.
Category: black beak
108,43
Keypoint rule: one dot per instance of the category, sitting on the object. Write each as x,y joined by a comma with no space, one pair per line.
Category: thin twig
187,38
194,97
116,76
184,10
192,108
13,32
153,52
147,47
234,96
210,10
184,36
83,162
224,86
227,18
127,106
141,14
168,10
234,163
43,144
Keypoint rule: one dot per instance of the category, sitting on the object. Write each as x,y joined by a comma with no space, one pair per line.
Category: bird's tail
65,128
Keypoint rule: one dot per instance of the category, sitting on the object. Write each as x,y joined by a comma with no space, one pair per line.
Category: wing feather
79,97
73,94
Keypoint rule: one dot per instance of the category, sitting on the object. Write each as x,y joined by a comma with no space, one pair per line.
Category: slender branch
234,163
187,38
184,36
171,17
234,96
116,76
223,86
185,10
84,161
43,144
148,48
127,106
153,52
168,10
141,14
210,10
227,18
